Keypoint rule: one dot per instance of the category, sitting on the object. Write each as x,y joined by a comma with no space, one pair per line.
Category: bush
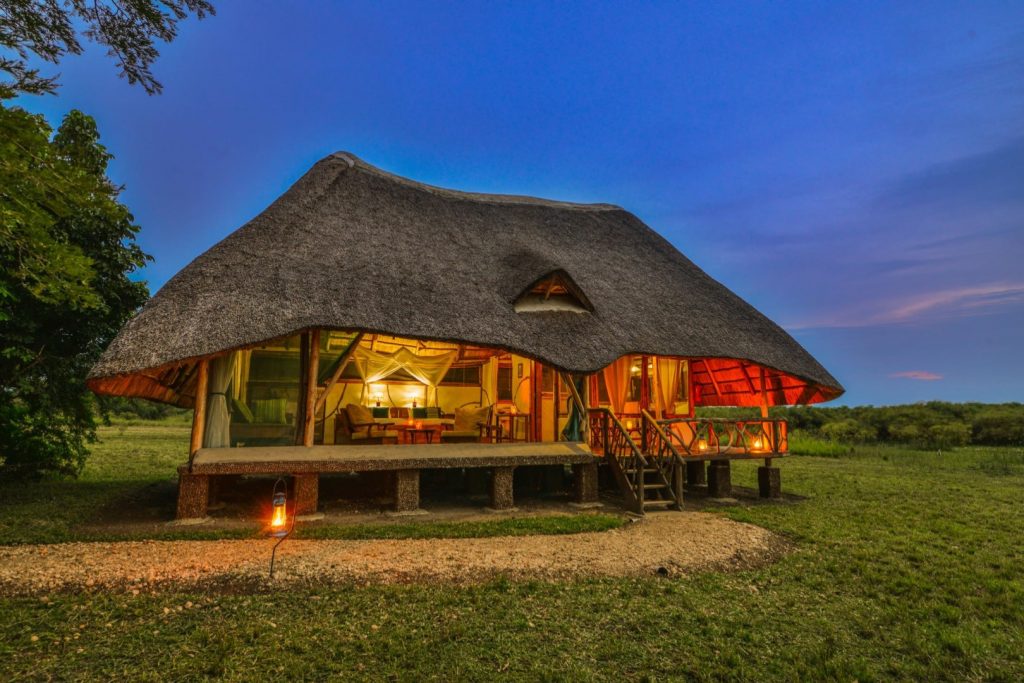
848,431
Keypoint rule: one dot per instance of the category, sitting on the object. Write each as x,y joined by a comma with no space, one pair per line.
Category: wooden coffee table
427,432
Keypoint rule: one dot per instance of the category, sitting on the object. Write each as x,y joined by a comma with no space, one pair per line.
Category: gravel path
665,543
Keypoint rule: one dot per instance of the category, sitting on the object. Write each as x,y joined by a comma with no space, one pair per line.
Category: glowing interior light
702,445
758,444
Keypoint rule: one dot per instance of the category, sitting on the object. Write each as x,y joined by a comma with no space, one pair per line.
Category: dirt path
672,543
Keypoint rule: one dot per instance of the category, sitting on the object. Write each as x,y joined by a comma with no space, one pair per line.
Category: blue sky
854,170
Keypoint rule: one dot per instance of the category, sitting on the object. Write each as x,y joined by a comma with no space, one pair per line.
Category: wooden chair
472,425
355,425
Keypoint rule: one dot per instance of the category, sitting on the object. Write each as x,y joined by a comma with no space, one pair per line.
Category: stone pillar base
307,492
407,490
584,480
719,479
769,482
501,488
696,473
193,495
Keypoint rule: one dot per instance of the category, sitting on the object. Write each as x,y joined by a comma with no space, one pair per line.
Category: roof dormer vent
554,292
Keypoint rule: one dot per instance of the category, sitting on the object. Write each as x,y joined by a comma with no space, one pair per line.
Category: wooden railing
663,456
648,478
621,453
710,437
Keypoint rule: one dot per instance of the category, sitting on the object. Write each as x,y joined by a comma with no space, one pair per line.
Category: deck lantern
702,445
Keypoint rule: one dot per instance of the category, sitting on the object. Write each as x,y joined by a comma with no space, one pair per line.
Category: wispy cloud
923,375
948,303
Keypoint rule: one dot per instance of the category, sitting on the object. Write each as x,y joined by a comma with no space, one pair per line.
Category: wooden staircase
649,470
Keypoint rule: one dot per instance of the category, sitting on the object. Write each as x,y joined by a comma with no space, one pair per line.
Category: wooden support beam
764,396
346,358
312,368
711,374
581,405
199,412
750,382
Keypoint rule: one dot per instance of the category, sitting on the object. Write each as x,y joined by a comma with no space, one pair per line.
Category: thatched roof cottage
365,319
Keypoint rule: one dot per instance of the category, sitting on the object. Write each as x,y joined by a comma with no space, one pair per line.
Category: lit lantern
758,444
629,425
279,515
702,445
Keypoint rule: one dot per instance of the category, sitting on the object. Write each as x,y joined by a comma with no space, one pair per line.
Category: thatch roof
350,247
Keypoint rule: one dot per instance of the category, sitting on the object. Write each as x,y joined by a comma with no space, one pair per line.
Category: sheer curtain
667,371
616,380
218,417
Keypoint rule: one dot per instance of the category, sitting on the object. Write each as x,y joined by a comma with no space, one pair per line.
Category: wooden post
312,370
342,364
199,412
605,448
558,408
764,396
581,405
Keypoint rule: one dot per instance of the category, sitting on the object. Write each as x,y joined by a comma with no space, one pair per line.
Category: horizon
858,182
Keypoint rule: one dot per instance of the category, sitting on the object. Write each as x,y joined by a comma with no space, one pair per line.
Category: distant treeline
922,425
138,408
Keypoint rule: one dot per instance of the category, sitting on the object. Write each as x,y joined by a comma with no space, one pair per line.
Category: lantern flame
279,519
702,445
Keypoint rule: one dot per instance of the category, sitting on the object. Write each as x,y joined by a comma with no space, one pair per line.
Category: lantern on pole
279,516
279,525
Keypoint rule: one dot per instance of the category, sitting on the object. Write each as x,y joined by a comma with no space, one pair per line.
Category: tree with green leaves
49,30
67,250
67,244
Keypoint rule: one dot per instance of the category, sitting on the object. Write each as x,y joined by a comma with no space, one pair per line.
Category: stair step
651,487
658,503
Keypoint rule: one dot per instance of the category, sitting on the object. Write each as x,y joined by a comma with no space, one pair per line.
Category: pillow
419,413
468,418
270,411
380,411
358,413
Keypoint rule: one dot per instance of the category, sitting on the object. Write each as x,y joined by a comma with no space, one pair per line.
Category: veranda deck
305,464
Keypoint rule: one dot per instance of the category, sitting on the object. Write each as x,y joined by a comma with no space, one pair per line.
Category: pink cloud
960,302
917,374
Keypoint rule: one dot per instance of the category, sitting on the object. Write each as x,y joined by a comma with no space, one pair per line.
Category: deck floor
388,457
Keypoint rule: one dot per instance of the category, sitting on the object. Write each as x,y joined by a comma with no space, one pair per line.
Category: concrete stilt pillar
719,479
193,495
585,483
695,473
501,488
407,490
769,482
307,492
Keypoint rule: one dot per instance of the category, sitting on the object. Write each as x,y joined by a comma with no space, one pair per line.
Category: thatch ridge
350,246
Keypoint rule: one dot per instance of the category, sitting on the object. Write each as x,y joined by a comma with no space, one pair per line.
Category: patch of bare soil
668,543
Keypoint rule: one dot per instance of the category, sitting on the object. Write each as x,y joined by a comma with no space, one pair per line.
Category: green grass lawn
908,565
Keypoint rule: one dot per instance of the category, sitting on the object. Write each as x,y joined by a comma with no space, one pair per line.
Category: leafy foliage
66,250
48,29
932,426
